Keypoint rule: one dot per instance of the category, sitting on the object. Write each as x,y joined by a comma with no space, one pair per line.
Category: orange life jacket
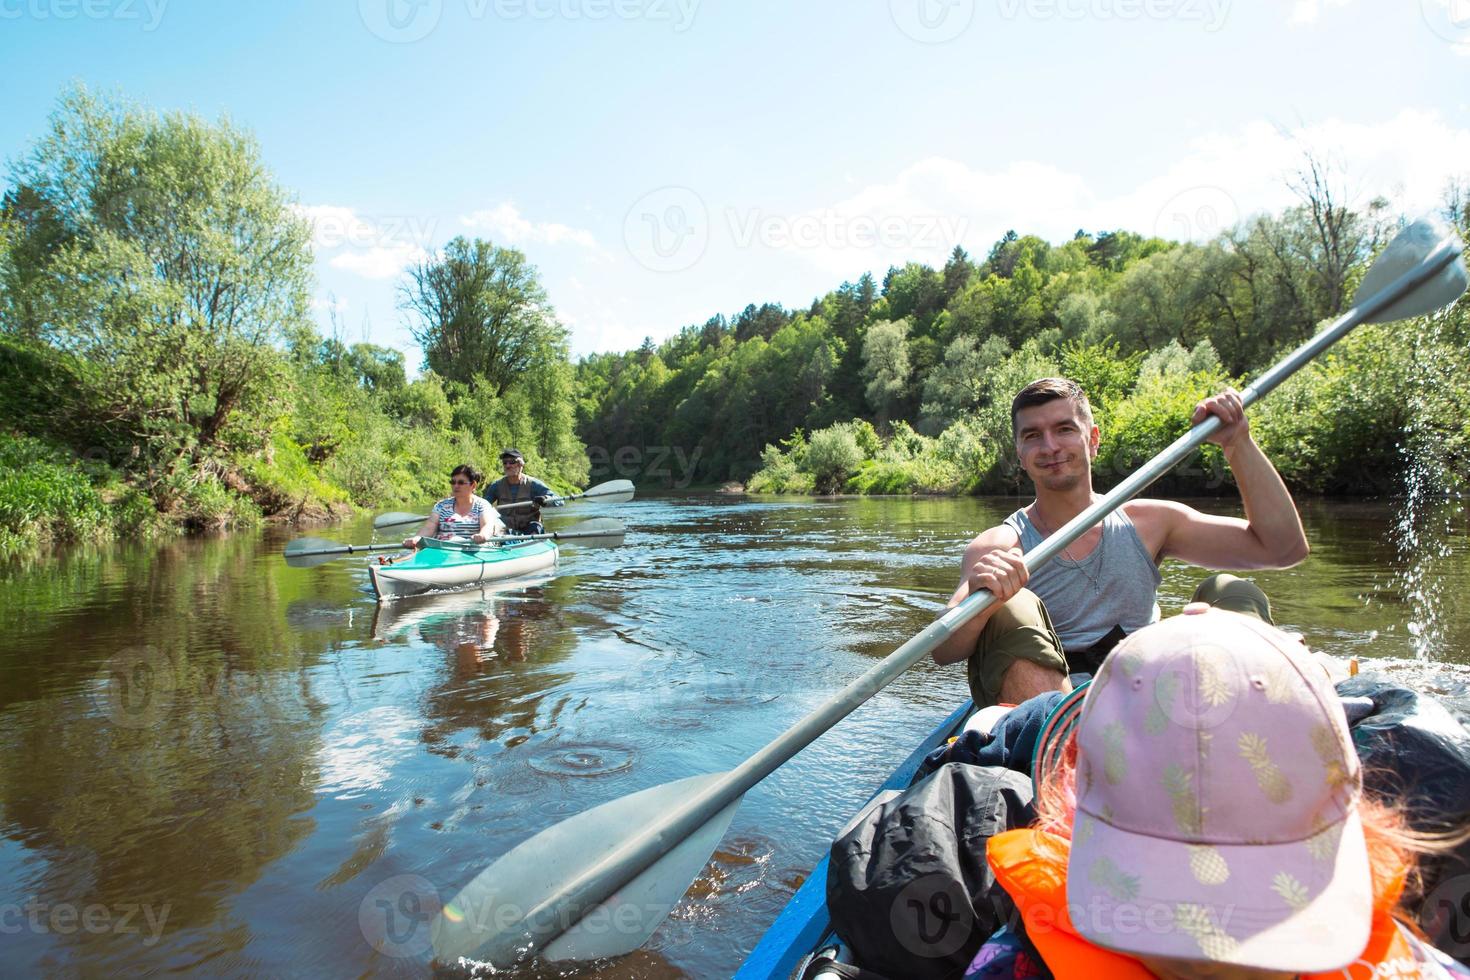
1031,865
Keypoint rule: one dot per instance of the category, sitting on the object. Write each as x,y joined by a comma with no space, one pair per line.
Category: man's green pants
1022,630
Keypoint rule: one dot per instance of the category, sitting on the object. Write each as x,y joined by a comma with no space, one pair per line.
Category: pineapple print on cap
1214,690
1208,865
1213,941
1268,776
1113,880
1292,891
1178,783
1324,742
1166,689
1115,763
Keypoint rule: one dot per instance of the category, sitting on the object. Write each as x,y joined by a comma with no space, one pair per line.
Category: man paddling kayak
1067,616
515,486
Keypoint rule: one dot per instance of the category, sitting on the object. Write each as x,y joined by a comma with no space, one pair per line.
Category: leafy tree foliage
161,266
480,314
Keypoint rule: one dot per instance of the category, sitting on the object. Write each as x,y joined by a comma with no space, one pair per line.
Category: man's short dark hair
1044,390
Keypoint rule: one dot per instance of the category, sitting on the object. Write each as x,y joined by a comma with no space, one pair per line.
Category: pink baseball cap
1217,791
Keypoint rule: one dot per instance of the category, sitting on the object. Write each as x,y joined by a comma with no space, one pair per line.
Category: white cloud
1216,180
376,246
506,222
380,262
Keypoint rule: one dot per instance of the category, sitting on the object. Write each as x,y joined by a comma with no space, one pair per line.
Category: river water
211,762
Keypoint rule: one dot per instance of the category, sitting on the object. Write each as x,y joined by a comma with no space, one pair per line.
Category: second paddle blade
612,492
1408,248
308,552
492,917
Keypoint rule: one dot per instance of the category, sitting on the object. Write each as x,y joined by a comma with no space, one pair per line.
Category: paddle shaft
624,863
616,529
347,549
594,492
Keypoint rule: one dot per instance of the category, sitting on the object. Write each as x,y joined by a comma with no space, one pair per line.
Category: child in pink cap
1208,820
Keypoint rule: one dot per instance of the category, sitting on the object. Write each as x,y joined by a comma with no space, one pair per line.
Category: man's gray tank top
1116,585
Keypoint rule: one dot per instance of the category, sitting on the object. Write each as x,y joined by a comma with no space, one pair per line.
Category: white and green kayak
452,565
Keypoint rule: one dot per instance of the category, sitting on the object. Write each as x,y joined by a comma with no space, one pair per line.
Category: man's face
1056,444
512,468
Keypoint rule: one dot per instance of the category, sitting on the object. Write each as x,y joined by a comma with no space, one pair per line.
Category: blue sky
664,160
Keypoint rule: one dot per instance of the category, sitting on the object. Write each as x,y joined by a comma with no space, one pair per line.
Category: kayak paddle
602,532
599,883
612,492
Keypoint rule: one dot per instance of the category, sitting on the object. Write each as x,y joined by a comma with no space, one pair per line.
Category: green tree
481,314
156,255
886,365
957,385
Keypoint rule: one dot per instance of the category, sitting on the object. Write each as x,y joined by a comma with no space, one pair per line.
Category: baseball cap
514,454
1217,792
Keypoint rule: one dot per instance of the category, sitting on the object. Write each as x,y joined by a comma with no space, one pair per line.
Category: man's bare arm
1271,535
992,561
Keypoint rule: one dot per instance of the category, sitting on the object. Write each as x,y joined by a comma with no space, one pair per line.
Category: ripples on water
295,776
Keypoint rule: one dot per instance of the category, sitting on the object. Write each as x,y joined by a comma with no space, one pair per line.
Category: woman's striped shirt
451,523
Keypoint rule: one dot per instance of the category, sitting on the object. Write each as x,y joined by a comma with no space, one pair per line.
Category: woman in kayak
466,514
1208,820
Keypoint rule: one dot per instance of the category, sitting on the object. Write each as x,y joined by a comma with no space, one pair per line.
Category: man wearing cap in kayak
514,487
1064,618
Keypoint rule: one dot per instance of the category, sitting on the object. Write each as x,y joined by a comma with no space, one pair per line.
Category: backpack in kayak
1415,751
908,887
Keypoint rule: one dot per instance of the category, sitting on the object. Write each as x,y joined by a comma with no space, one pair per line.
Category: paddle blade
500,913
612,492
397,519
1408,248
310,552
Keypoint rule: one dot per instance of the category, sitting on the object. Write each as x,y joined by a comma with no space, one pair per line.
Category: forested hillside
905,386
